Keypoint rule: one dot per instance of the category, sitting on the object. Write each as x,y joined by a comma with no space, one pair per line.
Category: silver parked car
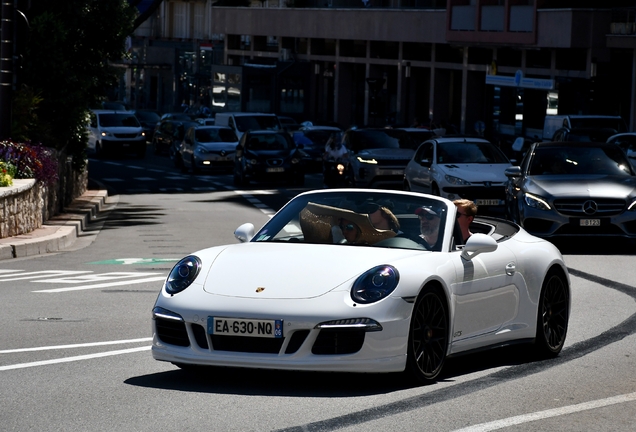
573,189
206,148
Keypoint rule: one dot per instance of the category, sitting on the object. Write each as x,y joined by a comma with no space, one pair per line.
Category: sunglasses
458,215
348,227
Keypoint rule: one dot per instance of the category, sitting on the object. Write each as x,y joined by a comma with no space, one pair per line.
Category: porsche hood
289,271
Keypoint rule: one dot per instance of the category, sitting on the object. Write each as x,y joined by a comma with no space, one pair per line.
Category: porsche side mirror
476,244
244,233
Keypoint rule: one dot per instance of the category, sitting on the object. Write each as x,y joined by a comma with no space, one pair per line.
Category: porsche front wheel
553,315
428,335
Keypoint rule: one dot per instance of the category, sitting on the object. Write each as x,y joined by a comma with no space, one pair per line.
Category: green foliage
7,173
67,67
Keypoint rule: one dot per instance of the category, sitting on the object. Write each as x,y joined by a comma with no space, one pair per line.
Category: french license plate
245,327
590,222
275,169
488,202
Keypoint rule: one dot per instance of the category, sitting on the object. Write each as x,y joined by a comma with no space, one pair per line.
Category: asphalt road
74,350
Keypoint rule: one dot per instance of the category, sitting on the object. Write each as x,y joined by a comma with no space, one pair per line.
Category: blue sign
518,80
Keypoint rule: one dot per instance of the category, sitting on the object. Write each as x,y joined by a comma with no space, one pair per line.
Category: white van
110,130
244,121
552,123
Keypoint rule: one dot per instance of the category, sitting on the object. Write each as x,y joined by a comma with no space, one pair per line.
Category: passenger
429,226
466,212
350,231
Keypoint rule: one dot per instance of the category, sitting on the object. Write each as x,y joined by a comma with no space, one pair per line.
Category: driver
429,225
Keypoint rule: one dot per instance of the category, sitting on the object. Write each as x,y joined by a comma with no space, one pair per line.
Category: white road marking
258,204
40,274
112,180
100,277
104,285
72,359
145,179
526,418
84,345
204,188
176,178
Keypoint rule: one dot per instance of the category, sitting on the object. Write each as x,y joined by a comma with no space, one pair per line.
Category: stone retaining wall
28,204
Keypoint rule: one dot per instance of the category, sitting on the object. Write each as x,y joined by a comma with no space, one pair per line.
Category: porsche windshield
360,219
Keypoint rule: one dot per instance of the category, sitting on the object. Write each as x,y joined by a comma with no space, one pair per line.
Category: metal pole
6,68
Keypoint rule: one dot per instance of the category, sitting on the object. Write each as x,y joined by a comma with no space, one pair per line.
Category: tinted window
316,138
579,160
389,138
615,124
269,142
147,116
113,120
462,152
215,135
245,123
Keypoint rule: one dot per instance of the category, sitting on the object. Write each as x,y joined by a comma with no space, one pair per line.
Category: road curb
59,232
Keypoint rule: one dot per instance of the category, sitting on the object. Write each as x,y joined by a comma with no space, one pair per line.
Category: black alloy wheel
428,335
553,315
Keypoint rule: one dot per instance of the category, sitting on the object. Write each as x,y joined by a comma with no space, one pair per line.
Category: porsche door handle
511,268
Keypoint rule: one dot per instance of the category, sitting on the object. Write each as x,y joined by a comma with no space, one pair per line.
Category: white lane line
83,345
72,359
526,418
104,285
145,179
269,212
112,180
41,274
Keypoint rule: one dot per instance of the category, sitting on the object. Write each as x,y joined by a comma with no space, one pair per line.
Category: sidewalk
59,232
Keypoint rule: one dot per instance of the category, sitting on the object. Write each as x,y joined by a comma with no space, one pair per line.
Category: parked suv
378,156
111,130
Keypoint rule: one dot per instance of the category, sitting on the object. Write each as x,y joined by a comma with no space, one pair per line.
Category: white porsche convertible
356,280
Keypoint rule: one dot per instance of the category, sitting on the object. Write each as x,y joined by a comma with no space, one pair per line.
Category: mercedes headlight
367,161
183,274
536,202
375,284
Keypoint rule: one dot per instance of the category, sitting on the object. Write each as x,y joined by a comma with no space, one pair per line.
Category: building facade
493,67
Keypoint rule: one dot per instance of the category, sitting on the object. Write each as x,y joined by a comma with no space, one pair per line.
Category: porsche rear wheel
553,315
428,335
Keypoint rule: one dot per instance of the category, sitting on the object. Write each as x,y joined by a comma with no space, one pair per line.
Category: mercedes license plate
590,222
245,327
279,169
488,202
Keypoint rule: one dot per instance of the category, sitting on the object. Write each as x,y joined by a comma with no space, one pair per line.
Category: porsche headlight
456,181
536,202
375,284
183,274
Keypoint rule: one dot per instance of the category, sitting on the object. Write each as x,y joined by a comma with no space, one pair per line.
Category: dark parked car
265,154
573,189
378,157
169,134
149,120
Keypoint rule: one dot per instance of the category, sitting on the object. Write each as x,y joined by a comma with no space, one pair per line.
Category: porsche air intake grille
199,336
172,332
338,341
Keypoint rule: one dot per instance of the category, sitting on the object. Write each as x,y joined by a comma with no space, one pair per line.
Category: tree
66,63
